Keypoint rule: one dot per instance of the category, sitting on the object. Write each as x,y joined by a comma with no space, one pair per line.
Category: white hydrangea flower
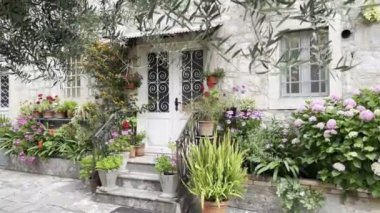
339,167
330,109
376,168
284,140
320,125
295,141
353,134
340,112
377,112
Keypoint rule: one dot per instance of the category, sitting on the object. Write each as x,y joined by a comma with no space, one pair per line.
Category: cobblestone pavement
28,193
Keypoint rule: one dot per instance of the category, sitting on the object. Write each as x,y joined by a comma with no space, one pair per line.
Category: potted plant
133,80
70,108
140,146
47,106
216,173
120,145
207,111
107,168
86,172
214,76
60,111
167,169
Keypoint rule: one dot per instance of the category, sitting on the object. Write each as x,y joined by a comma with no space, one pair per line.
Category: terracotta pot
60,115
37,114
206,128
49,114
212,207
130,86
212,81
70,114
132,153
140,150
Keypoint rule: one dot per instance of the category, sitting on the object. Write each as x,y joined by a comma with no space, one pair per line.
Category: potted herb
120,145
70,108
140,146
108,168
168,176
216,173
207,111
133,80
214,76
60,111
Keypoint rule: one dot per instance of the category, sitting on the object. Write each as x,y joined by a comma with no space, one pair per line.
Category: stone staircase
139,187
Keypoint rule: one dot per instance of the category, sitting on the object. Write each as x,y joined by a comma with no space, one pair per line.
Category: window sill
291,102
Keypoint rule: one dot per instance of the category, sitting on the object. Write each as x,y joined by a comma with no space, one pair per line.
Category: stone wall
53,166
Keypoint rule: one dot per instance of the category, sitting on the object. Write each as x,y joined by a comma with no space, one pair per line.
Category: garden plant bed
54,166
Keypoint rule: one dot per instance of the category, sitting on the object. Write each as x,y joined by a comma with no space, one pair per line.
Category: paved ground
28,193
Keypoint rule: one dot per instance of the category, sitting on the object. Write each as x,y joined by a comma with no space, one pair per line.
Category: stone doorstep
139,176
148,159
137,180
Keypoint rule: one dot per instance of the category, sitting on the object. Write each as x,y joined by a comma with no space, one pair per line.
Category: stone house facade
274,92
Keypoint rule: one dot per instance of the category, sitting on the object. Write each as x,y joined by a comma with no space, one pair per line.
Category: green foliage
297,198
86,167
218,73
215,169
109,163
120,144
371,12
342,142
139,137
165,165
209,107
66,106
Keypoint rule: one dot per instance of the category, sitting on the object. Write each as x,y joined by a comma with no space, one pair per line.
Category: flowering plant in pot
47,105
120,145
213,77
166,166
107,168
60,111
216,173
208,109
70,108
140,146
133,80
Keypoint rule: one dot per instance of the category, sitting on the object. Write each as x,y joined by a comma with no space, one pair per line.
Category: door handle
176,103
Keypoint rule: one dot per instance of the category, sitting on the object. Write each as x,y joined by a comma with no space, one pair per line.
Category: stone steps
139,187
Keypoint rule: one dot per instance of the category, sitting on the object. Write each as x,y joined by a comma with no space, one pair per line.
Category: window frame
77,76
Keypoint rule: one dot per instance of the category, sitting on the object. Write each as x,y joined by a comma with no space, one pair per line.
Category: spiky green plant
216,172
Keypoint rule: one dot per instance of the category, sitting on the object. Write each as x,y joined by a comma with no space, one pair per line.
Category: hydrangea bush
340,139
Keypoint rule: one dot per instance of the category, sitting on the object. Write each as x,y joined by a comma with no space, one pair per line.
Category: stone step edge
138,194
139,176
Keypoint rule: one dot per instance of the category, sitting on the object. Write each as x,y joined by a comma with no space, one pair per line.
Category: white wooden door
168,76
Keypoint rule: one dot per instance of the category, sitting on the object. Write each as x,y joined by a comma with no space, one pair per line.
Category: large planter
125,156
48,114
108,178
212,207
206,128
169,185
132,153
60,115
212,81
140,150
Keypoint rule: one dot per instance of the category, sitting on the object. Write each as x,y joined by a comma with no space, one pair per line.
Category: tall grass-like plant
216,172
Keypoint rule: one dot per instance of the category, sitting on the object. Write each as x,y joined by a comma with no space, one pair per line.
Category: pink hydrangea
318,108
360,108
317,102
376,88
367,115
335,98
298,122
331,124
349,103
301,108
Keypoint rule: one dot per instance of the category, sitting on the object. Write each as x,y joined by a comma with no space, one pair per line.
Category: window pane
314,72
315,87
295,74
323,87
294,42
295,88
287,88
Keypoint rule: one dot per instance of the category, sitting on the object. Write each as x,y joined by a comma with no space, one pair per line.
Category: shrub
165,165
216,172
340,138
119,144
109,163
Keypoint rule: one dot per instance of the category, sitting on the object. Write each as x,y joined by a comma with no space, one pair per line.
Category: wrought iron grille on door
4,91
192,75
158,82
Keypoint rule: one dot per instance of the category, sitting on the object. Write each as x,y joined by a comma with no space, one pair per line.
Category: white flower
339,167
340,112
320,125
284,140
376,168
330,109
353,134
302,193
349,113
377,112
298,122
312,119
295,141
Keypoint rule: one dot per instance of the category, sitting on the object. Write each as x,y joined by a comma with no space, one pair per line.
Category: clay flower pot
60,115
130,86
48,114
212,207
206,128
132,153
37,114
140,150
212,81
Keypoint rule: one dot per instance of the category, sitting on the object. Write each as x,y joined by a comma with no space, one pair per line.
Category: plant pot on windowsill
48,114
37,114
60,115
140,150
212,81
206,128
212,207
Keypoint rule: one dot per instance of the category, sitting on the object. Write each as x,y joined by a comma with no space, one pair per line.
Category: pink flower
16,142
318,108
301,108
298,122
367,115
349,114
335,98
331,124
349,103
376,88
360,108
114,134
317,102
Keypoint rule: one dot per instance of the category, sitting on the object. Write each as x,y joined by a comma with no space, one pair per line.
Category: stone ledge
53,166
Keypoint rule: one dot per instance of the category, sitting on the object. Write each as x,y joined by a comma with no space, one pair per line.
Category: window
303,75
192,75
73,84
158,82
4,91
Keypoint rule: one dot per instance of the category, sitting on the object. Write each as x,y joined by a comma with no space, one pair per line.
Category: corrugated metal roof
171,31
